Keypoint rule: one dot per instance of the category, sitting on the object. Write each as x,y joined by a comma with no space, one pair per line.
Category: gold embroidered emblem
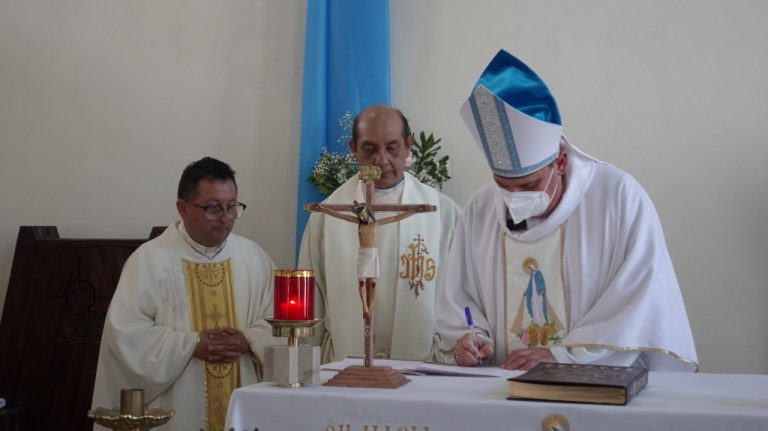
416,265
212,305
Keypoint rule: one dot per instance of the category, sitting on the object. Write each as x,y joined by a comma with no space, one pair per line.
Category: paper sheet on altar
425,368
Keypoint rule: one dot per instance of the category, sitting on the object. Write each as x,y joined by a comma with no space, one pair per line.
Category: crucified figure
367,260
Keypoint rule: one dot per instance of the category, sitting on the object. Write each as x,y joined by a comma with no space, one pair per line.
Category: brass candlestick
130,416
293,329
132,402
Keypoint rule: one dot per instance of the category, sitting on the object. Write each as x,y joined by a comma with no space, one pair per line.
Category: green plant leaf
425,167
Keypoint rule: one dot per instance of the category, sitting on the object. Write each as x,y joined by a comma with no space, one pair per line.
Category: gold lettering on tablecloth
375,427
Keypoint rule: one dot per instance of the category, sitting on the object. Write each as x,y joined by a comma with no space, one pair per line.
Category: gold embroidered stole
535,300
418,255
212,305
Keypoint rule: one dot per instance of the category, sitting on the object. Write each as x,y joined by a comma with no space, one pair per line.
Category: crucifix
363,214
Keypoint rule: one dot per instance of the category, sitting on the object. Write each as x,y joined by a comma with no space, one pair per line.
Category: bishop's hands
221,345
525,359
471,350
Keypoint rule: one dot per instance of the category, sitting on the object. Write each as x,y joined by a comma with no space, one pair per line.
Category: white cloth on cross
368,263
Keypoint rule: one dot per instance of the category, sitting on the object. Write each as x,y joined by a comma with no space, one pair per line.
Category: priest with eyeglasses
186,323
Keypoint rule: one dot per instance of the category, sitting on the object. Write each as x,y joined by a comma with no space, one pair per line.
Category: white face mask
524,205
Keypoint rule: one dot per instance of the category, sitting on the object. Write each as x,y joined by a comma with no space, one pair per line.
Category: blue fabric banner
346,69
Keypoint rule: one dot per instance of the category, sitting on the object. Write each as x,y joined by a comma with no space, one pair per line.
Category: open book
430,369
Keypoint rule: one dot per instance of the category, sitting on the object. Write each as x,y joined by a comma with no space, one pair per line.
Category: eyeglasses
213,212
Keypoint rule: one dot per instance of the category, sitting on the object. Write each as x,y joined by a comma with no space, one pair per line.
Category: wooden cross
364,216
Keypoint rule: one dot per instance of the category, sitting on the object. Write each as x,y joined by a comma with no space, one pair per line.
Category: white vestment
148,342
410,255
623,295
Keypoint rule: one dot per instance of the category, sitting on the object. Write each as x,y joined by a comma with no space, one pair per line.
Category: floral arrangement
333,169
426,166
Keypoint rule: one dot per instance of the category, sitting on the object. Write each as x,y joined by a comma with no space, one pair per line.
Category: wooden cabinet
57,299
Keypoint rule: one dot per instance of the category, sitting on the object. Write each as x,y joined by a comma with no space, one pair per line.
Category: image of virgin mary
543,324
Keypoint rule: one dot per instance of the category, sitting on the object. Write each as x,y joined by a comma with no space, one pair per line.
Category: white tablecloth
671,401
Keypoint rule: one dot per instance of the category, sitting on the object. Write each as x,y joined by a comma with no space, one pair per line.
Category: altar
671,401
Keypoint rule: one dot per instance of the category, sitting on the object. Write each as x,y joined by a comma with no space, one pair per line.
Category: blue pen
471,325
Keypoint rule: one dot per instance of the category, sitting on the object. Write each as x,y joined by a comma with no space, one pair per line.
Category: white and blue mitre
514,117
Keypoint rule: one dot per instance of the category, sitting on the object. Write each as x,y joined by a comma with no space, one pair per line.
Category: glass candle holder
294,294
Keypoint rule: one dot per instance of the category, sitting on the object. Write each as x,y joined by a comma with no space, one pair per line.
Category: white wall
674,92
103,103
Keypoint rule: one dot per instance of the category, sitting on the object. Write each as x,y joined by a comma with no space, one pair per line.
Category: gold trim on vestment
633,349
506,289
212,305
566,286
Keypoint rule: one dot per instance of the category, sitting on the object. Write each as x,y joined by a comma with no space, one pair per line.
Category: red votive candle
294,294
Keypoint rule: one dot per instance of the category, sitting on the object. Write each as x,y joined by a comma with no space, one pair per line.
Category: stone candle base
292,366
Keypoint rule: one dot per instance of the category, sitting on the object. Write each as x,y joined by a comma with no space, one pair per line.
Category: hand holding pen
471,349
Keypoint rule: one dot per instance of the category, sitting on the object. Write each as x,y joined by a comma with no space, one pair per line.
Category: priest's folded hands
221,345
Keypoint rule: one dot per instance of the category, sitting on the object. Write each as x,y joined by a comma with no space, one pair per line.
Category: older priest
403,322
562,258
186,323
